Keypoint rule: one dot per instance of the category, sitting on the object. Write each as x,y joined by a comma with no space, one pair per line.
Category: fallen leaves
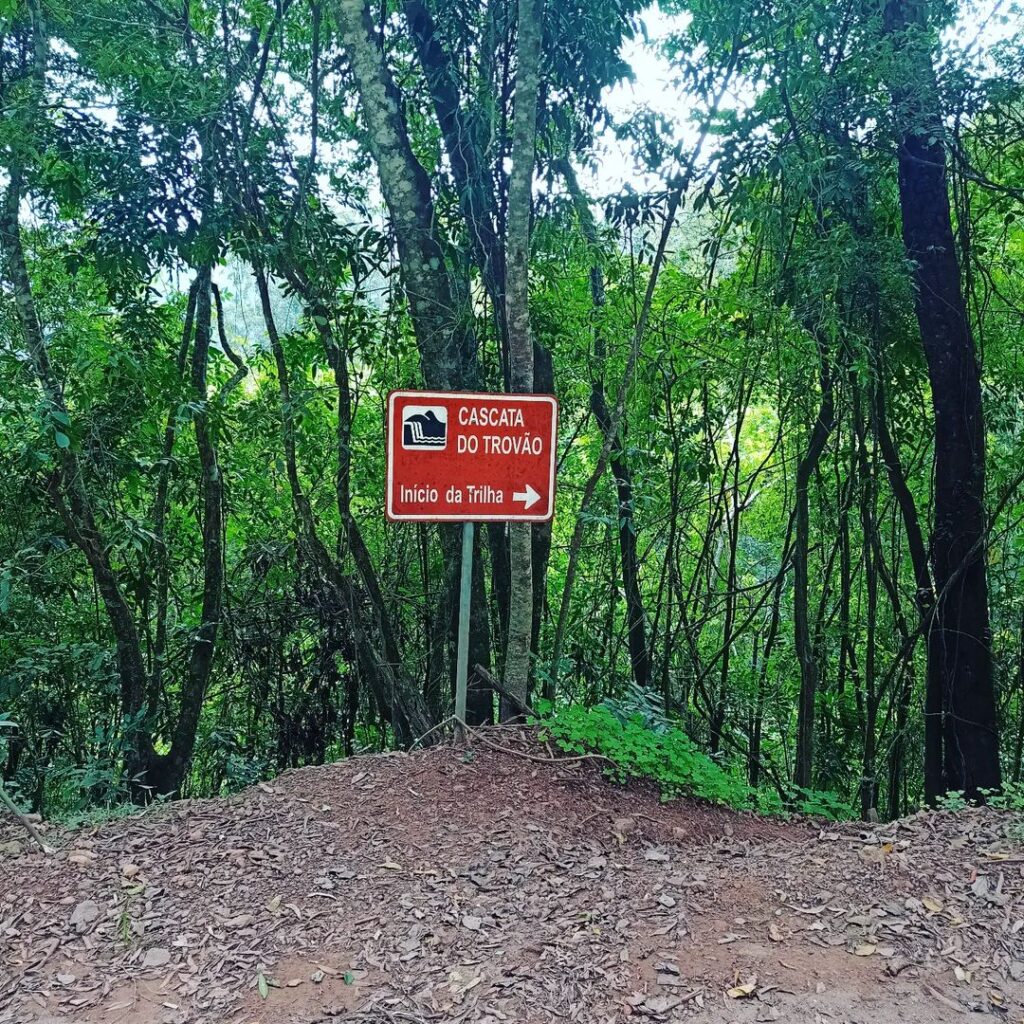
156,956
505,915
743,991
657,856
84,915
238,922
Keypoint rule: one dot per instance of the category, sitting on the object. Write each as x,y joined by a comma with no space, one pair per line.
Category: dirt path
485,888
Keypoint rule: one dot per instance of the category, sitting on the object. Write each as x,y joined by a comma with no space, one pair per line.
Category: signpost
467,457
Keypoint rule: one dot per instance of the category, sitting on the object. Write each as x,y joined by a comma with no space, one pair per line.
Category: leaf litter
431,887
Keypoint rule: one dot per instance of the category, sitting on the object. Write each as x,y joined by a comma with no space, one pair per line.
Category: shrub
667,757
646,745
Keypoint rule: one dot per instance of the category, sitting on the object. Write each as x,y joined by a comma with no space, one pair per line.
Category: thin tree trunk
521,596
397,697
166,772
614,426
924,596
869,781
615,423
163,566
636,617
754,751
67,486
1018,747
823,424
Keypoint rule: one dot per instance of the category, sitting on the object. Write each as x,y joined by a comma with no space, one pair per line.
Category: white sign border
524,517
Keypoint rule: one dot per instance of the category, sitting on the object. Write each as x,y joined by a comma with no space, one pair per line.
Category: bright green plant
952,801
664,754
667,757
821,803
1010,798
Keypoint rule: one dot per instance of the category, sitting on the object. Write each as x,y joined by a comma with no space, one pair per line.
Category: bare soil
481,886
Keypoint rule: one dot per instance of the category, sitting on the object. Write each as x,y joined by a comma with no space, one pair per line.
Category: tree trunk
439,303
162,555
544,383
465,140
166,772
804,766
68,489
970,756
438,306
521,596
924,598
636,616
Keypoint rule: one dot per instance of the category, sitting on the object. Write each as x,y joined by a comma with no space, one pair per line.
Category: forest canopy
788,549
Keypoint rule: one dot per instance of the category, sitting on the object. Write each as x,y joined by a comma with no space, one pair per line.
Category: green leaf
62,439
261,984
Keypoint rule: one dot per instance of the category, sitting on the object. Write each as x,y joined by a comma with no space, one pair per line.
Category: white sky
654,87
981,25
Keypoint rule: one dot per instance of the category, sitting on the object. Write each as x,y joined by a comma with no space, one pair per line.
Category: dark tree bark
1018,746
823,424
924,600
465,138
160,503
165,773
544,383
970,754
872,567
464,128
497,545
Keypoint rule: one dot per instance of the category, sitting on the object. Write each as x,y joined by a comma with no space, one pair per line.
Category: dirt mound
480,886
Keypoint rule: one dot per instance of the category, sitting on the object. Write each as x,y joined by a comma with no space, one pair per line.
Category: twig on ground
433,729
532,757
12,807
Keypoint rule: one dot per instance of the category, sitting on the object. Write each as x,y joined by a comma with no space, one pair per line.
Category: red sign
471,457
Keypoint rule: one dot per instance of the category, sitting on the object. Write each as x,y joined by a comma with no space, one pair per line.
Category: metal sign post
469,458
465,598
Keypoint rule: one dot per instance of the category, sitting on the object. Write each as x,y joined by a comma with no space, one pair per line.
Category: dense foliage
230,228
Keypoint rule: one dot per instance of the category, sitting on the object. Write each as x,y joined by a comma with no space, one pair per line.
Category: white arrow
528,497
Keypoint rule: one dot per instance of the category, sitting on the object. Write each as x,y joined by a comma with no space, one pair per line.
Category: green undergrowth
1010,798
662,753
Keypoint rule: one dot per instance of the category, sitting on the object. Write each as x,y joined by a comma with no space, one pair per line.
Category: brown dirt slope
481,887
